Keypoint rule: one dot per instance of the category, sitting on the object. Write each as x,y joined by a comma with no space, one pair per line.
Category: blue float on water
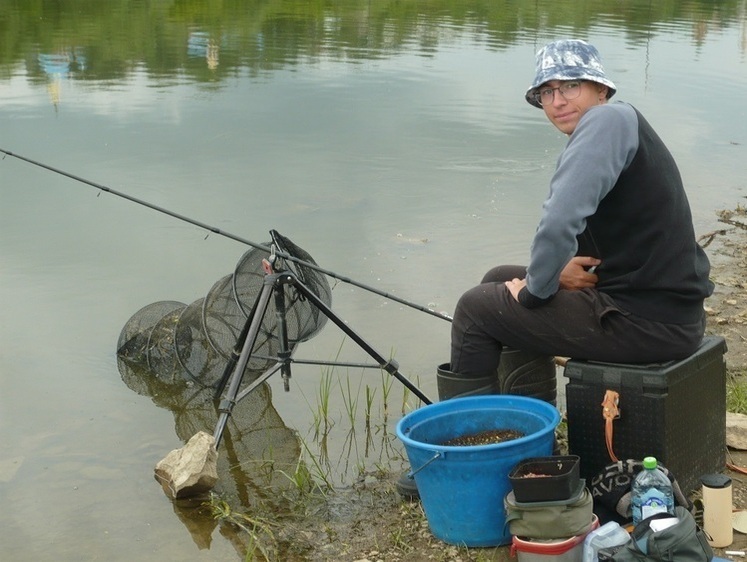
462,488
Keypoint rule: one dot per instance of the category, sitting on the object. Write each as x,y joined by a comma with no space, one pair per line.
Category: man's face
565,113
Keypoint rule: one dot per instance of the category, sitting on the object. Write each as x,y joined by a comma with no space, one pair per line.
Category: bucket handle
437,455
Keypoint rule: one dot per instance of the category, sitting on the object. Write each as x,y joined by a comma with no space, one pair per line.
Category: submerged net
173,340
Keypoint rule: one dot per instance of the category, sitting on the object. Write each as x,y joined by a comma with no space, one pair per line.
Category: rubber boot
525,373
530,374
453,385
450,385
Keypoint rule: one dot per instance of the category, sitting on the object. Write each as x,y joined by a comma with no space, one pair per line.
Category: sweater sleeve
601,147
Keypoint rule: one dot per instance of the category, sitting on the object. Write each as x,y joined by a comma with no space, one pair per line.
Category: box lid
650,375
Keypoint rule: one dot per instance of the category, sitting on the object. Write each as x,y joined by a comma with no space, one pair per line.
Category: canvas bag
549,520
683,542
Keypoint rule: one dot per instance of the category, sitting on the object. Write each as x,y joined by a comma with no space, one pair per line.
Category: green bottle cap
649,462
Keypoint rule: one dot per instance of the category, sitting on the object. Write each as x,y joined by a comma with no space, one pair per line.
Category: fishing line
225,234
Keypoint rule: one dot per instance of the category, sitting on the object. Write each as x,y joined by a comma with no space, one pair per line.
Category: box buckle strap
610,412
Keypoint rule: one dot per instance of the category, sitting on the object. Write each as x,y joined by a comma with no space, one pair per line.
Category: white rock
736,431
191,470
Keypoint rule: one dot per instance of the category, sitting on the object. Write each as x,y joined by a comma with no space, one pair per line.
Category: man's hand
516,285
576,274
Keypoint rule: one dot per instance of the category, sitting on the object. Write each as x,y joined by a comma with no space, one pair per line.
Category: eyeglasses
569,90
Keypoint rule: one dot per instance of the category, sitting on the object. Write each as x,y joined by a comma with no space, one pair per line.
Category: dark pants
583,324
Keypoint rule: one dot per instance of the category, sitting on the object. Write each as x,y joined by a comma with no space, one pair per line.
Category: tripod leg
390,367
228,402
284,353
235,353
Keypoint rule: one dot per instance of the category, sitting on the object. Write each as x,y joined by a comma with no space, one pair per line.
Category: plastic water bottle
651,492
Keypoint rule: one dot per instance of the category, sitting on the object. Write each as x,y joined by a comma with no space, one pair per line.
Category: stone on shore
191,470
736,431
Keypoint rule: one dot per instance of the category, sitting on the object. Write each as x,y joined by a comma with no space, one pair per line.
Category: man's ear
603,92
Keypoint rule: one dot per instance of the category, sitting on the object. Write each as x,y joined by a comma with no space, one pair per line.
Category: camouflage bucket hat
568,59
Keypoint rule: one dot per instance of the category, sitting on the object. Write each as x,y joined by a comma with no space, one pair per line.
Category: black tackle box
674,411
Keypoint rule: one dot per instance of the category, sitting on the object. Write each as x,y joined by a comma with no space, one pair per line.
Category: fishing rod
225,234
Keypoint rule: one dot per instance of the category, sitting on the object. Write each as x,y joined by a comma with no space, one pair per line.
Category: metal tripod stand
273,287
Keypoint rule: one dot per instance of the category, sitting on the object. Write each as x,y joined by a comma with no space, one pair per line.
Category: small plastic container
717,509
565,550
542,479
608,535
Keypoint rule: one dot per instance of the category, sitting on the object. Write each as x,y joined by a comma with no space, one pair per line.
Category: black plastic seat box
674,411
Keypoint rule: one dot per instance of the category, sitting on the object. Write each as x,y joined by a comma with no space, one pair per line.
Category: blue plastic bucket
462,488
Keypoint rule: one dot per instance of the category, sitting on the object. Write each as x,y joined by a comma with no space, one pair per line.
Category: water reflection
210,41
256,453
202,46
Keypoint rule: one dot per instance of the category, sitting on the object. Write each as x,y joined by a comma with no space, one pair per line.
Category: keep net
173,340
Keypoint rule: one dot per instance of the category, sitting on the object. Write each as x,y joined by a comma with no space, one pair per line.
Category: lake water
390,140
